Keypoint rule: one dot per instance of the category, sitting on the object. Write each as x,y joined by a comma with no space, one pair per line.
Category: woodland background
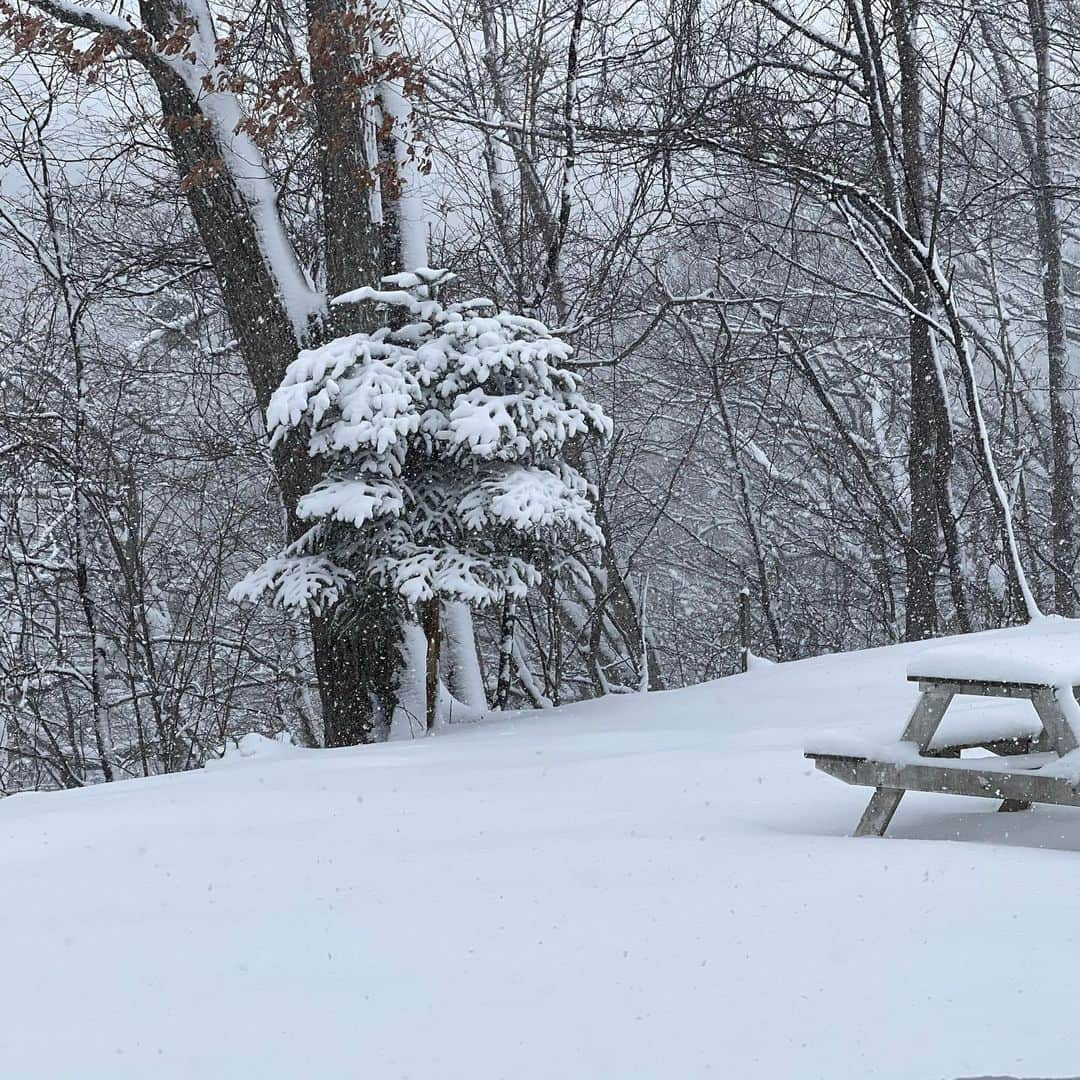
819,262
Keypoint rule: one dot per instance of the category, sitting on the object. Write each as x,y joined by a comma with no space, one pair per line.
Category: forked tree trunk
356,668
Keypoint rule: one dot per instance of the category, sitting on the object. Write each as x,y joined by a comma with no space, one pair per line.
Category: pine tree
443,439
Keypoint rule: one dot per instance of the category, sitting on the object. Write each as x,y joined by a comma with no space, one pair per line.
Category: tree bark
430,614
921,619
1053,289
356,668
924,481
353,249
507,620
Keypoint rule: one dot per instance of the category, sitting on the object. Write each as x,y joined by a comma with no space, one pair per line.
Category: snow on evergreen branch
442,437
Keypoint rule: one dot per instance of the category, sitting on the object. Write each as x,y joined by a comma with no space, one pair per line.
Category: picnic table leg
1057,734
1021,746
926,716
1055,723
921,728
879,812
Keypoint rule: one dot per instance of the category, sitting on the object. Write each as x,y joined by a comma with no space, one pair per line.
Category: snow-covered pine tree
442,437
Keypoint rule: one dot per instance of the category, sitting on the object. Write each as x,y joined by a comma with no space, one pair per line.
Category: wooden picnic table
1021,772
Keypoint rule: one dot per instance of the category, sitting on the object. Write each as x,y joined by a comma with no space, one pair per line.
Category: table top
1046,652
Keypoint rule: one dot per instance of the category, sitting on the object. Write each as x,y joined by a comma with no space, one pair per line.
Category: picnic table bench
1025,764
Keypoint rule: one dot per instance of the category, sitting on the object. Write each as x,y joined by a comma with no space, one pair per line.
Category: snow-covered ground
648,887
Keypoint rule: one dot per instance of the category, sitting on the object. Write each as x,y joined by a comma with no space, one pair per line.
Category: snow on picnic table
645,887
1046,651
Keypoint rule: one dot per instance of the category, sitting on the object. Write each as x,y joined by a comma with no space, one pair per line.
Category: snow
463,661
959,727
394,105
296,582
1046,651
527,498
354,501
907,753
101,18
253,747
648,886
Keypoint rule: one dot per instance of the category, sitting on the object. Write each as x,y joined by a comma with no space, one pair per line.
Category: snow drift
654,886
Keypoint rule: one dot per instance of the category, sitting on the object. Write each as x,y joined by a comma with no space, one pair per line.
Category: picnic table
1030,760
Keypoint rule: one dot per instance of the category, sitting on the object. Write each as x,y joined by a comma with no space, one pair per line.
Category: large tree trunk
356,667
353,709
900,163
361,666
353,250
923,459
1053,289
922,551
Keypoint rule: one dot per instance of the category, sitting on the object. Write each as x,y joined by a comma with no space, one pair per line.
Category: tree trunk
1053,289
353,248
350,715
430,614
507,620
461,661
1034,133
900,162
923,476
357,668
947,519
922,609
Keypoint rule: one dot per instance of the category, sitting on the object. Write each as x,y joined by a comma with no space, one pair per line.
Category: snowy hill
649,887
